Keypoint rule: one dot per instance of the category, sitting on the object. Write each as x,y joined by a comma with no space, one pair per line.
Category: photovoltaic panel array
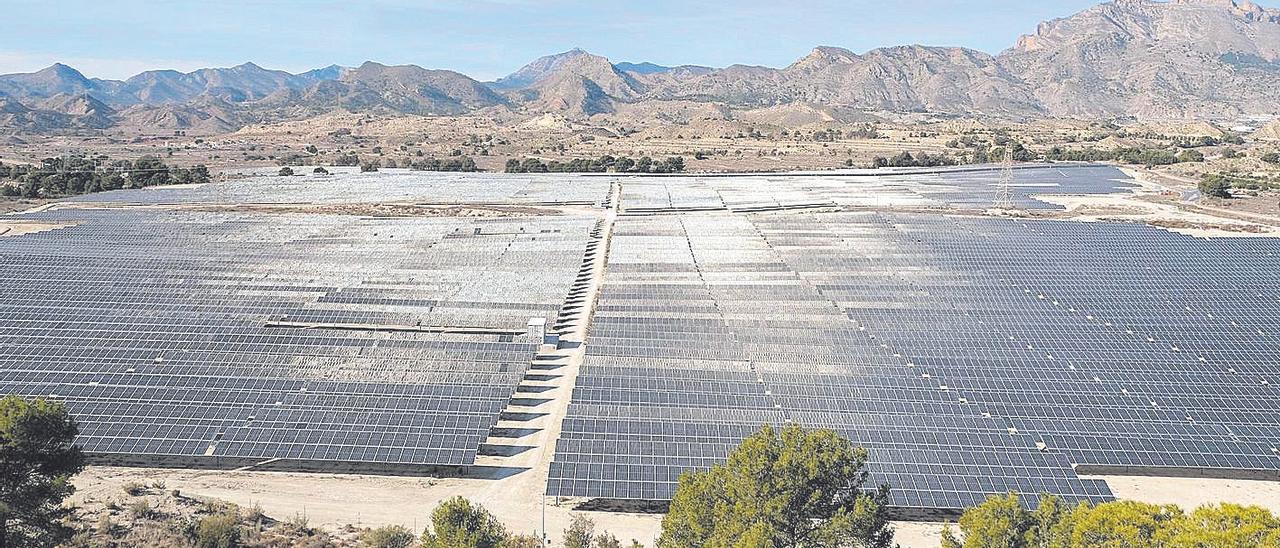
966,188
1125,347
971,356
388,185
232,338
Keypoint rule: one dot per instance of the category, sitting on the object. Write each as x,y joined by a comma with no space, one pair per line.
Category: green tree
1000,521
458,523
644,164
1225,525
781,488
532,165
1215,185
1119,523
37,460
1043,529
200,174
1003,522
148,171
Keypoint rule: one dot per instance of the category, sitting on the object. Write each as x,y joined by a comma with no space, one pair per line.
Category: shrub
285,171
135,488
1190,156
391,536
140,509
218,531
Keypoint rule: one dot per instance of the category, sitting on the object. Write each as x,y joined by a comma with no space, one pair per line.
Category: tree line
606,163
1004,522
919,159
462,164
982,154
1220,185
1126,155
976,151
455,163
72,175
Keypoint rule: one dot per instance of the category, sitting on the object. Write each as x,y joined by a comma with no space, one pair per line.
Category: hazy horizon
491,38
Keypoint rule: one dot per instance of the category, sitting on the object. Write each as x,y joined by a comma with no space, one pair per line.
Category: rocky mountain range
1145,59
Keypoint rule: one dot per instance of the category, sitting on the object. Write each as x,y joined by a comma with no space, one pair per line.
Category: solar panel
971,356
239,337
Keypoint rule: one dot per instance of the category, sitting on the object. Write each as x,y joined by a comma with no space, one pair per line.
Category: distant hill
1145,59
1181,59
575,82
54,80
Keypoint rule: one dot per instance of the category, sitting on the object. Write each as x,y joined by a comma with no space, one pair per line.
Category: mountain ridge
1188,59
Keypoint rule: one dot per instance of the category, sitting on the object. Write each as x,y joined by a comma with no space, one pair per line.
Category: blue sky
488,38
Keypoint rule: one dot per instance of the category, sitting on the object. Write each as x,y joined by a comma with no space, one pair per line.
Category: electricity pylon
1004,195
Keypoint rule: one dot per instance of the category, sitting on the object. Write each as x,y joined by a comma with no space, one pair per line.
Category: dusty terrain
709,143
11,205
333,502
1157,203
18,228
